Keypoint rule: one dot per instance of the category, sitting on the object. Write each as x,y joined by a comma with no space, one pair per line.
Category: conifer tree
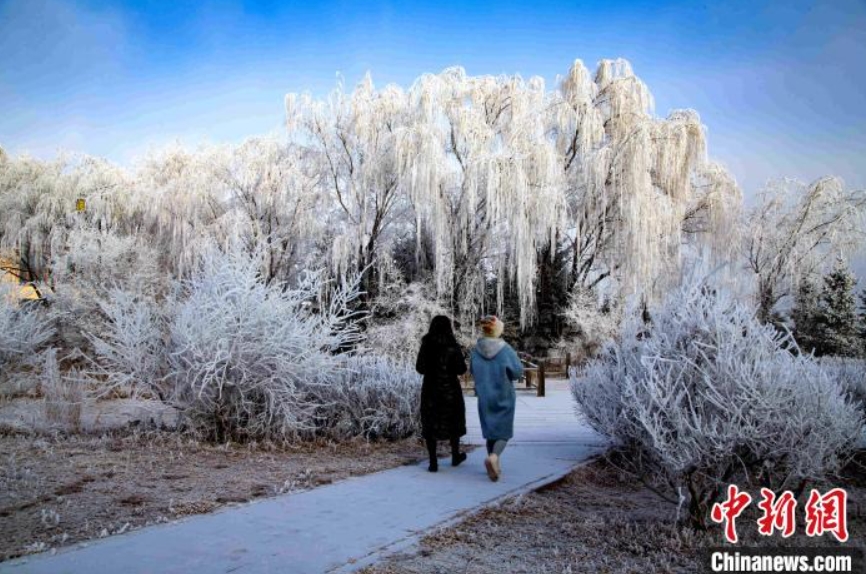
863,321
837,319
805,315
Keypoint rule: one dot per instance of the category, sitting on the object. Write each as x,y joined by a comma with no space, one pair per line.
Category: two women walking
493,364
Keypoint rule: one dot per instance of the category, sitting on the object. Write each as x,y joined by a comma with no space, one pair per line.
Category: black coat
443,412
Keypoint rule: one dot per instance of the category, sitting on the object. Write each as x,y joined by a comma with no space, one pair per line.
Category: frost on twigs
373,397
247,358
63,394
402,317
706,395
24,327
129,350
794,228
89,272
851,374
593,324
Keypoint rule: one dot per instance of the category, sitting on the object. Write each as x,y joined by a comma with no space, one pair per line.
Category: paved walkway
346,525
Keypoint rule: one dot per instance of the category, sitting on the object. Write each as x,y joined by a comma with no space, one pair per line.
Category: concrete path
349,524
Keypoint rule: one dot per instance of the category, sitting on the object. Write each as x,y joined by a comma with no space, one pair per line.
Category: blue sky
780,86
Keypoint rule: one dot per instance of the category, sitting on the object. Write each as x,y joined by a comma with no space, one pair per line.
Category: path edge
403,544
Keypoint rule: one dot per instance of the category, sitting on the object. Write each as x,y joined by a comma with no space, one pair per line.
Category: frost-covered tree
593,323
38,206
836,320
793,228
636,186
502,173
353,138
184,201
484,181
863,318
805,314
271,190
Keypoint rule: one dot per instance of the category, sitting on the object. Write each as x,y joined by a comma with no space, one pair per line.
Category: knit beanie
491,326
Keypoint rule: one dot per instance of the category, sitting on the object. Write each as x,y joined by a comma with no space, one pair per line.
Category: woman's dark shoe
458,458
434,467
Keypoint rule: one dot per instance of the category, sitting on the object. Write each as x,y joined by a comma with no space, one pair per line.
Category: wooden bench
535,372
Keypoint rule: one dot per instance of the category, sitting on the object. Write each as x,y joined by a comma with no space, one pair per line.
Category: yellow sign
80,205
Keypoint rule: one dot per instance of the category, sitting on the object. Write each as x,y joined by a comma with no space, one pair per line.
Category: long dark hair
440,332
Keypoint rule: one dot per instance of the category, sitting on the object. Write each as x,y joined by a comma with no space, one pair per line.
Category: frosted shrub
129,350
93,264
246,357
851,374
24,330
62,394
374,397
706,395
400,318
102,260
593,325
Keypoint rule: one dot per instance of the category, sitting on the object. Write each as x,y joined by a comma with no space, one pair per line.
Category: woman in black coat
443,412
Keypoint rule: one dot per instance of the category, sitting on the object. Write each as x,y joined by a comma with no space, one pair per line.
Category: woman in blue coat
494,365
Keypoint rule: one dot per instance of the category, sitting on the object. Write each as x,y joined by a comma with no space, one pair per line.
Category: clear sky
781,86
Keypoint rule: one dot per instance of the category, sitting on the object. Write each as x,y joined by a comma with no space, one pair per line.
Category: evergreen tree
863,321
837,318
806,317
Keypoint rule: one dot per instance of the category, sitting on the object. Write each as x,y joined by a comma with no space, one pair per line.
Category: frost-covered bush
129,350
63,396
374,397
94,264
246,358
706,395
850,373
592,324
25,328
100,261
400,318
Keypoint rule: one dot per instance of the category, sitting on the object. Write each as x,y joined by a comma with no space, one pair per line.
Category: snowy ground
595,520
56,491
23,414
348,524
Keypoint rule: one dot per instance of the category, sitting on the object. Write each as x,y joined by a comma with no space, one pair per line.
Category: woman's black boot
456,456
431,452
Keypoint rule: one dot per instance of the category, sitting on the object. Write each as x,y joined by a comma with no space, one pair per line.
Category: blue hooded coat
494,365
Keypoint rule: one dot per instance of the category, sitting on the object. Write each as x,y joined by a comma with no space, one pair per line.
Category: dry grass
595,520
57,490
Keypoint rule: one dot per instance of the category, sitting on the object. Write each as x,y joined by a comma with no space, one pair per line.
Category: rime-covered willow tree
793,229
37,206
352,138
499,171
484,180
260,193
636,186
